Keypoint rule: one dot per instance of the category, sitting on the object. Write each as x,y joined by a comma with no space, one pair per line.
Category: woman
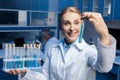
72,58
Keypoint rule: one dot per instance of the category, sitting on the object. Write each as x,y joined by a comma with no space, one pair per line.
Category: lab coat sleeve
106,55
103,60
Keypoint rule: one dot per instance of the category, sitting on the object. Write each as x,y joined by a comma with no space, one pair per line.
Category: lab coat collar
80,46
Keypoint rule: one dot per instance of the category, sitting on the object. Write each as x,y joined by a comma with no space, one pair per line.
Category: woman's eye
76,23
66,23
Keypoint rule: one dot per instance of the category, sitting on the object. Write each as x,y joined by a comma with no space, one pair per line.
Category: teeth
71,34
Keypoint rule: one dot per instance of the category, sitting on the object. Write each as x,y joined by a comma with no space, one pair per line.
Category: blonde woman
72,58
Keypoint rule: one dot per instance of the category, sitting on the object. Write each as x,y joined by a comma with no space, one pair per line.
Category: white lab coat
76,63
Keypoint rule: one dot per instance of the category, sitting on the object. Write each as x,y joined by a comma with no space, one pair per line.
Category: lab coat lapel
62,51
70,54
74,50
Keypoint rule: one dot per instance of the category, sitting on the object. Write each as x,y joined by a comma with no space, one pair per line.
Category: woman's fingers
12,72
99,24
86,15
15,72
91,16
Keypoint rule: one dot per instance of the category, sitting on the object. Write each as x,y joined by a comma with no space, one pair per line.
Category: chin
72,39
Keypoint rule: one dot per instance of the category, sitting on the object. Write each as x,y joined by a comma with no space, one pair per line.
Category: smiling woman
71,59
71,26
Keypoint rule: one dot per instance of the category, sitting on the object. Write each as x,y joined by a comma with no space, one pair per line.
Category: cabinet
108,8
102,6
65,3
28,15
116,10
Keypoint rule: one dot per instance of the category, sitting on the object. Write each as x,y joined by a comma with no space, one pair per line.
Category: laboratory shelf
14,29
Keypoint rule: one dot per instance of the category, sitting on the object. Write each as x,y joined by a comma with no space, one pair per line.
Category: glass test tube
9,63
13,56
27,56
6,56
38,55
31,56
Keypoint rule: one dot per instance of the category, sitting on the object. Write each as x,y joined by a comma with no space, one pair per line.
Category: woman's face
71,26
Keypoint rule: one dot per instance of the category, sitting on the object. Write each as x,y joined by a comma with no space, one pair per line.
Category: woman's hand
100,26
15,72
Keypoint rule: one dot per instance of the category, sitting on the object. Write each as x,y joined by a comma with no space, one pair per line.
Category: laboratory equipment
81,32
23,57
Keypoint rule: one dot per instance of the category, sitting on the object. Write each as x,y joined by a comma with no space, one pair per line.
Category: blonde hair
70,9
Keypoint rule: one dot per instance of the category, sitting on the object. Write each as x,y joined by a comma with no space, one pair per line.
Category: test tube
16,57
27,55
31,56
6,51
21,57
6,56
34,48
10,63
13,56
13,51
31,51
10,51
38,55
24,51
34,56
81,33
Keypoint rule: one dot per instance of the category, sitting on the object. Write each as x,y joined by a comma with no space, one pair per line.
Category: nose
71,27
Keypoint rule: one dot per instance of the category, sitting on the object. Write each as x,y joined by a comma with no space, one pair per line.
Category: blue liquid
81,33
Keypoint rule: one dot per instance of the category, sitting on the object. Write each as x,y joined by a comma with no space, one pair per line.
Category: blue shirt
66,47
76,63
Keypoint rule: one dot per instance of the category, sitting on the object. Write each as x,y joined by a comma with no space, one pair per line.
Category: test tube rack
26,57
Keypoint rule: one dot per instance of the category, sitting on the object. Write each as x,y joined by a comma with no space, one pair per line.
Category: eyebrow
75,19
79,20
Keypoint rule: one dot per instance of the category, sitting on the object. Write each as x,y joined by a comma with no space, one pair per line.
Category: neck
68,43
